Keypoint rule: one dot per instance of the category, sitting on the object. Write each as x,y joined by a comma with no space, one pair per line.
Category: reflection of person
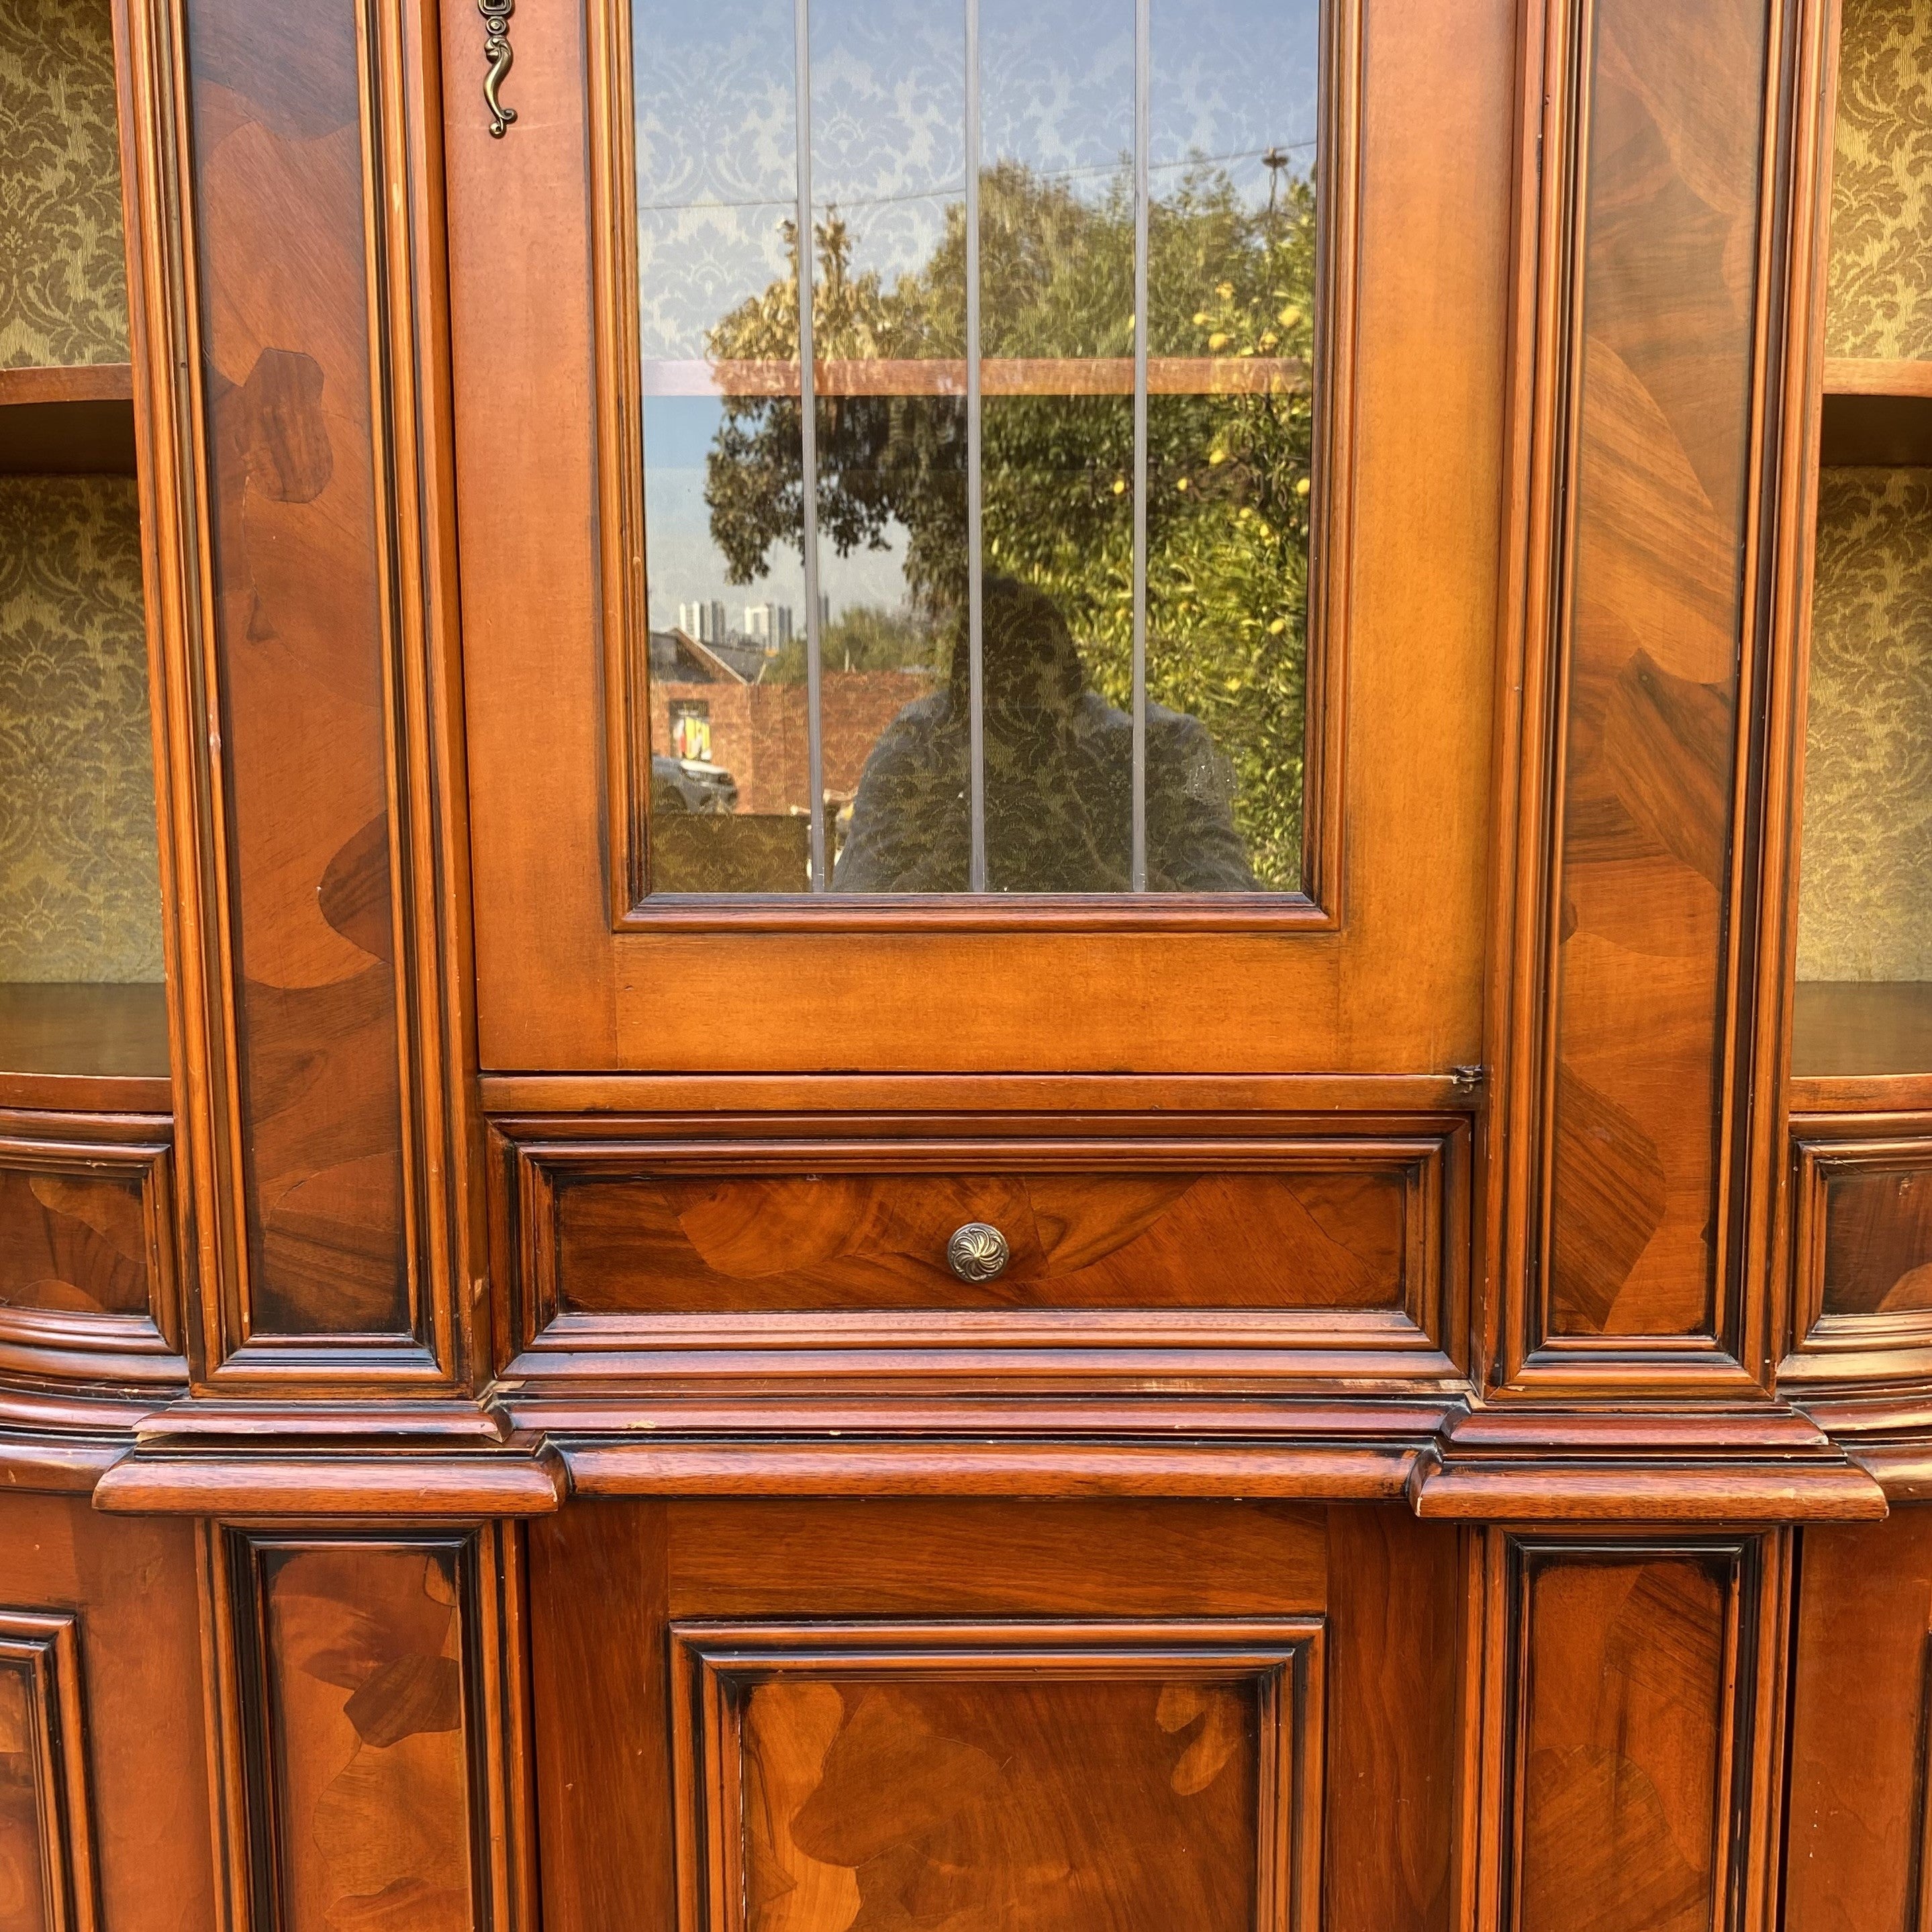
1059,779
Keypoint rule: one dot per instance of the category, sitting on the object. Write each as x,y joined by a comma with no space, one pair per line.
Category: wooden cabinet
1070,1074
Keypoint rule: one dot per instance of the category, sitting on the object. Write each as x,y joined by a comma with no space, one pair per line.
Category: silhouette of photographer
1059,779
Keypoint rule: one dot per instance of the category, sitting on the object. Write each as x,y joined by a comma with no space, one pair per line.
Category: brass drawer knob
976,1251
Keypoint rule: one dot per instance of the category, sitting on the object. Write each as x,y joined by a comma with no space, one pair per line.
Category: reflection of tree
1228,474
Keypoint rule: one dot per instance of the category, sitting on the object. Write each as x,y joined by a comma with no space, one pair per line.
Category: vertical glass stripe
976,754
808,416
1143,62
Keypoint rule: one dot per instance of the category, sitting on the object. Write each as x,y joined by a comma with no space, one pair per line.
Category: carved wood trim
42,1649
715,1666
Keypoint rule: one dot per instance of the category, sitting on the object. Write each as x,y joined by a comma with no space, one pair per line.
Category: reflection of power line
1281,152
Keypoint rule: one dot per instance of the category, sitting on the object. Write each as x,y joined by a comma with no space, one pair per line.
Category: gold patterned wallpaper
63,278
1880,299
1865,899
79,888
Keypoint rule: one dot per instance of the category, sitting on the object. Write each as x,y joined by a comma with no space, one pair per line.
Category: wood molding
1569,1707
1574,855
40,1652
1836,1350
389,962
553,1340
91,1196
430,1628
716,1668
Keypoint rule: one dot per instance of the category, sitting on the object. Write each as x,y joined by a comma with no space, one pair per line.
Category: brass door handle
977,1252
496,51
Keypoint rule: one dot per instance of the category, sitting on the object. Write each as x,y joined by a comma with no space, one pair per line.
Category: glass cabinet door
999,471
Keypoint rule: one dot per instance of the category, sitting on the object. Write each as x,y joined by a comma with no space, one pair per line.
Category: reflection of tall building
704,621
769,624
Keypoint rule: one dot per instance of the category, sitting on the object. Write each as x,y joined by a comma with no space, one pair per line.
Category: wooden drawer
1302,1240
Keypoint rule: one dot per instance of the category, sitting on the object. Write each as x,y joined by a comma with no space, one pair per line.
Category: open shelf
93,1048
68,421
1878,412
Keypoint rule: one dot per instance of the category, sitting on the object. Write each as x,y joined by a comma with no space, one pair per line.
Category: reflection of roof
676,654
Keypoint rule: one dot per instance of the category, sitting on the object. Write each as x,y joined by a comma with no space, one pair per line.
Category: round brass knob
976,1251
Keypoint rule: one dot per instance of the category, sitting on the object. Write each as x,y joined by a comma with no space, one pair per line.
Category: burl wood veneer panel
1068,1714
1623,1738
1854,1859
46,1853
63,267
74,1243
1878,1232
104,1788
80,895
301,635
362,1766
1880,302
1864,908
936,1772
1669,239
1315,1240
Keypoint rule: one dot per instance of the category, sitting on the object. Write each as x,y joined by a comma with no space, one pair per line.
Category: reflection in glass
1203,435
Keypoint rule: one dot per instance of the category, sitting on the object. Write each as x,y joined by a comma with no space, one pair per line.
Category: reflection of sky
717,168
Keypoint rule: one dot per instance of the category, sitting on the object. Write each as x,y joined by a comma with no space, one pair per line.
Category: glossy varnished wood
1854,1851
103,1746
84,1048
893,1786
1398,988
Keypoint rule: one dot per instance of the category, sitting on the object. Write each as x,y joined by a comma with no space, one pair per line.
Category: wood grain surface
301,648
1667,287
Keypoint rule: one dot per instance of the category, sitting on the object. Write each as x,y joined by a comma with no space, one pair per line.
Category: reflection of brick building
758,731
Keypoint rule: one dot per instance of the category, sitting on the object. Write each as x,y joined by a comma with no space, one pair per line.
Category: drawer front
1317,1242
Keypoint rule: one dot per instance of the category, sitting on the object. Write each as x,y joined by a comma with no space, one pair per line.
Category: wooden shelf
1861,1046
85,1048
77,421
1877,414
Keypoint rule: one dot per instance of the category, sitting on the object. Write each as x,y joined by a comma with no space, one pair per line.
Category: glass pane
1235,88
889,183
718,310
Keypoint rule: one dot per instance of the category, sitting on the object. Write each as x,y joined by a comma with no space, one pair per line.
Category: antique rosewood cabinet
966,964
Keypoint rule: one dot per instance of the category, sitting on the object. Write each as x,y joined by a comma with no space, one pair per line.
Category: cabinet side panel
1672,102
1854,1857
283,194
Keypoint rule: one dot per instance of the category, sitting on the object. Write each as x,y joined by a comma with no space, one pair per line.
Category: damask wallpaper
1880,299
79,889
1865,899
63,277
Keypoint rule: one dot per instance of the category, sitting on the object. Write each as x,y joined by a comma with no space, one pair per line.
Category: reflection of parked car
685,784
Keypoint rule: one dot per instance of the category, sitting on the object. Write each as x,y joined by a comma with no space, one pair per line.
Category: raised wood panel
810,1237
1861,1730
87,1248
298,419
376,1720
1160,1599
1629,1742
105,1799
47,1820
1640,490
1862,1247
904,1775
